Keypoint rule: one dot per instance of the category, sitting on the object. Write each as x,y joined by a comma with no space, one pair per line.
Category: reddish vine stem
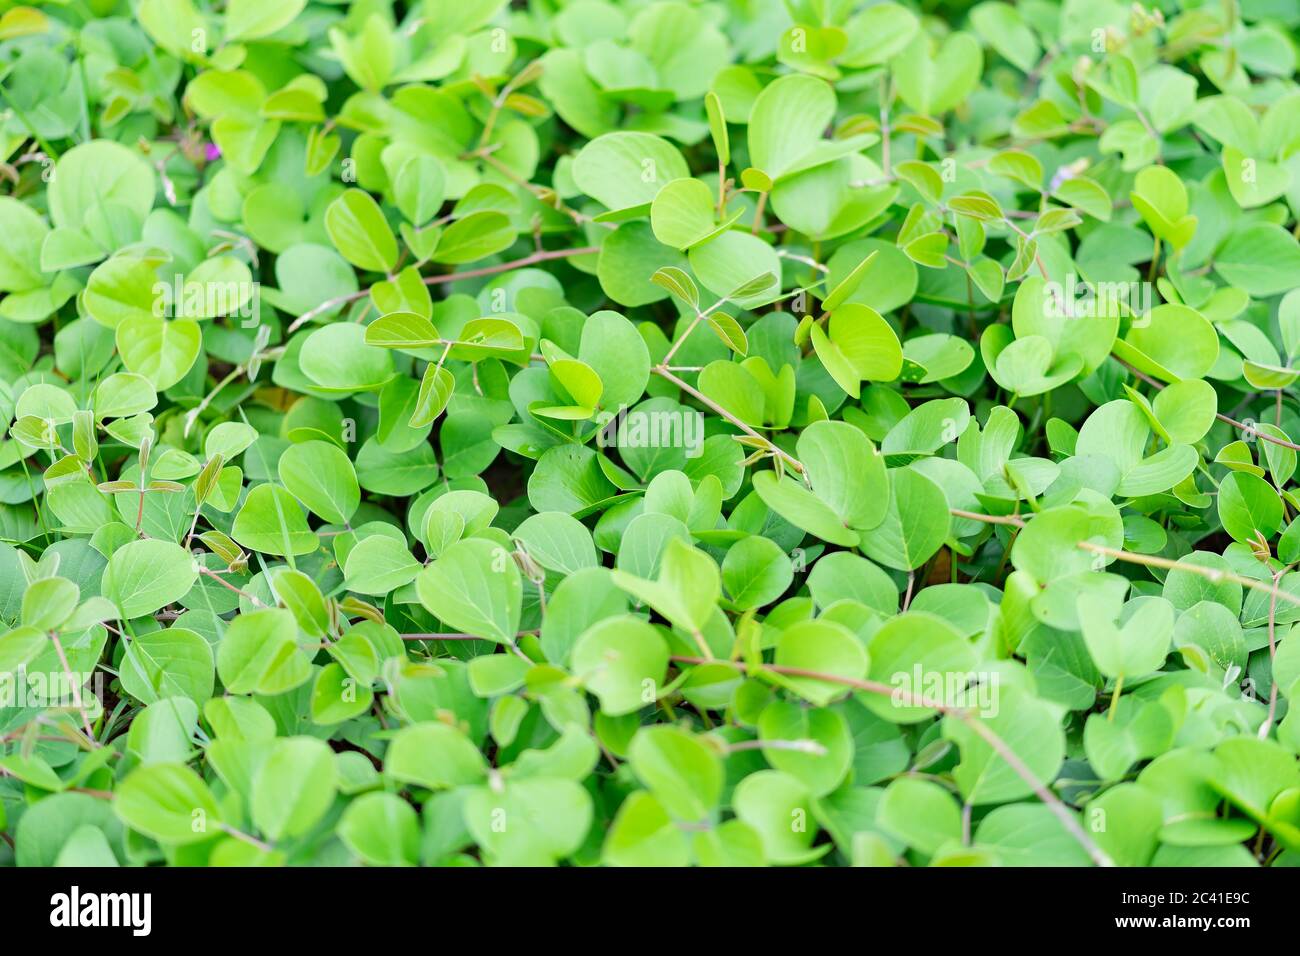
699,396
1051,800
455,636
1250,430
207,572
1151,561
76,689
1272,657
1211,574
542,255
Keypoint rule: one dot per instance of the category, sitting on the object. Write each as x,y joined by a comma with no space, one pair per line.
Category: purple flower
212,152
1065,173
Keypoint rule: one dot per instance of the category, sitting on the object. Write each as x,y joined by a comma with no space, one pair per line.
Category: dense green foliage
649,432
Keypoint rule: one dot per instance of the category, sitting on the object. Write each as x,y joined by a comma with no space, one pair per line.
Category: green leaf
1001,26
728,261
474,586
1174,343
686,590
1028,728
755,572
160,350
845,472
787,119
337,358
682,214
382,830
681,771
915,524
168,802
293,787
1134,649
625,171
1260,258
934,82
378,564
920,813
477,236
1161,198
144,576
644,835
358,230
813,745
553,814
259,654
1249,508
175,662
821,647
922,658
622,660
271,521
321,476
435,756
